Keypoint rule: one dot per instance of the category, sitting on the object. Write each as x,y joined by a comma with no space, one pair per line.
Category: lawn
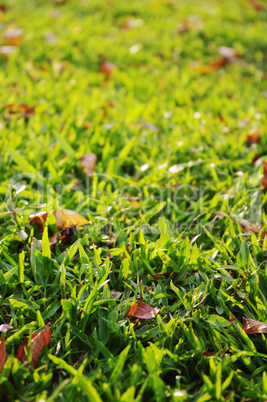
147,119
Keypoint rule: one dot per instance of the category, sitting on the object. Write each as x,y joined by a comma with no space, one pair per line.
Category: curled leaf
142,310
64,218
5,327
253,326
38,341
88,162
2,353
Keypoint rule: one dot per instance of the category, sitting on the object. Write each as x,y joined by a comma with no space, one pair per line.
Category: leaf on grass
64,218
253,136
247,226
13,36
53,240
142,310
107,68
190,23
38,341
2,353
6,51
228,55
255,158
22,109
88,162
253,326
264,179
5,327
257,6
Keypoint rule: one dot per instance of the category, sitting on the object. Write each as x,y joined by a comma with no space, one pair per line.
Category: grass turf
171,148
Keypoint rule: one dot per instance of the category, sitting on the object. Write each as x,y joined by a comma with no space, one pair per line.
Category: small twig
226,349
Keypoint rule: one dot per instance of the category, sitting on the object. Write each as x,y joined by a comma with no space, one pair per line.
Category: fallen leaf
253,326
221,214
64,219
2,353
228,54
87,124
88,162
5,327
257,6
254,160
38,341
53,240
134,202
264,179
247,226
22,109
13,36
106,107
253,136
142,310
6,51
132,23
107,68
189,24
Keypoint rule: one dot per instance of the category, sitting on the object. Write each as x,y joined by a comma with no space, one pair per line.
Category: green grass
175,142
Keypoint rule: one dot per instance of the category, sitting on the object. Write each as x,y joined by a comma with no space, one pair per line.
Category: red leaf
264,179
142,310
257,6
2,353
22,109
253,326
107,68
64,218
38,341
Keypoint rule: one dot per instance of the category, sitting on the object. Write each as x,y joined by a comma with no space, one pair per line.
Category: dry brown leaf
142,310
189,24
2,353
246,226
53,240
88,162
253,136
64,218
253,326
38,341
107,68
13,36
228,55
257,6
22,109
6,51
